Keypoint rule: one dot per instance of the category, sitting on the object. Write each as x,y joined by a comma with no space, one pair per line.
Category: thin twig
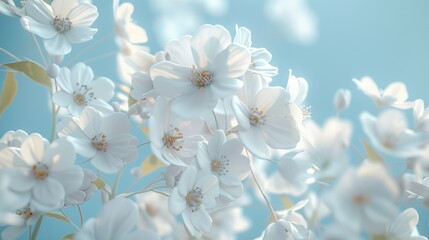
9,54
45,63
80,215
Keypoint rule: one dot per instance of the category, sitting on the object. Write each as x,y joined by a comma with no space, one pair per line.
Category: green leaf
150,164
57,216
131,100
99,183
372,155
8,92
68,236
33,70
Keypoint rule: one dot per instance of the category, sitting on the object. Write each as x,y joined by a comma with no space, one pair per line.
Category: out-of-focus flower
389,133
79,89
342,99
13,139
103,139
211,74
421,116
45,172
193,196
27,216
116,220
266,121
394,95
295,18
10,201
154,214
326,148
85,192
228,223
60,24
403,226
8,8
224,159
364,198
125,27
173,140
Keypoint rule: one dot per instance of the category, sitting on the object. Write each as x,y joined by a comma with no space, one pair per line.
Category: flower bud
53,70
342,99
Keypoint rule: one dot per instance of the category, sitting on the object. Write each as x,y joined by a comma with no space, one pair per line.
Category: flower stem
270,207
45,63
9,54
215,118
142,144
115,184
54,113
80,215
37,228
68,220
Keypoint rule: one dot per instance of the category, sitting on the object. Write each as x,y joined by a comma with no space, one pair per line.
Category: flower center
151,210
62,25
360,199
306,112
172,139
257,117
194,199
99,142
201,79
220,166
40,171
25,213
83,94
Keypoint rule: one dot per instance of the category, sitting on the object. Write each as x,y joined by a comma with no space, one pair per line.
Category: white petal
107,163
83,15
33,149
231,62
80,34
201,220
39,11
60,155
101,106
136,34
180,51
13,232
115,124
280,132
90,121
45,31
62,98
123,146
200,101
48,195
241,112
397,91
103,88
207,42
22,181
222,86
215,144
63,7
66,82
71,179
254,141
171,80
176,203
187,181
57,45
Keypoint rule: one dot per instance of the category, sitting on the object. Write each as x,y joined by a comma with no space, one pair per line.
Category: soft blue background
387,40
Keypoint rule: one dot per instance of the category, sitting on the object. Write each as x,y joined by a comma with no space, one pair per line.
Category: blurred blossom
342,99
13,139
294,18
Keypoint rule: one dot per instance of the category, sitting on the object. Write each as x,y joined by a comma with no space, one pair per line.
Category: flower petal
201,220
187,181
80,34
47,195
83,15
103,88
71,178
57,45
231,62
115,124
176,203
62,98
171,80
60,155
254,141
33,149
45,31
63,7
106,163
200,101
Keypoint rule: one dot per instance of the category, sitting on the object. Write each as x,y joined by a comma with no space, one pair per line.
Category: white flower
105,140
60,24
153,214
228,223
13,139
266,121
404,225
79,89
116,220
46,172
389,133
421,116
224,159
342,99
8,8
192,197
327,147
27,216
125,28
260,57
394,95
297,87
173,140
418,189
211,74
364,198
85,192
10,201
290,177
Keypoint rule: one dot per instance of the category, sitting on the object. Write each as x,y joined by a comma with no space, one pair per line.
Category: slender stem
36,228
142,144
162,193
144,191
215,118
68,220
115,184
39,49
270,207
80,215
29,232
226,115
54,113
9,54
89,47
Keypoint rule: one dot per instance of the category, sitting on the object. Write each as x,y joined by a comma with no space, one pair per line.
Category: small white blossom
421,116
342,99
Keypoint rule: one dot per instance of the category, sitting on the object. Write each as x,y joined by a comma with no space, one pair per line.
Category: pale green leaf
131,100
99,183
57,216
150,164
33,70
68,236
8,92
372,154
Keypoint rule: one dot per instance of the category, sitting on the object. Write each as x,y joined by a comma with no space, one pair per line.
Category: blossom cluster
217,129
